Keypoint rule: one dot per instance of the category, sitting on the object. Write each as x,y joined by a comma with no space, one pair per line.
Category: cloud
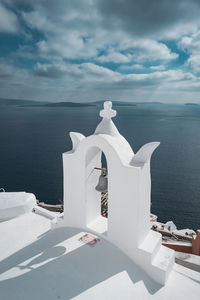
84,50
77,32
160,67
50,70
144,50
153,19
90,73
86,72
71,46
61,38
158,76
6,71
194,62
191,45
71,82
139,50
113,56
8,20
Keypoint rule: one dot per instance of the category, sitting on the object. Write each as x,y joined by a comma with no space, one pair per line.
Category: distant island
116,103
190,103
35,103
67,104
31,103
127,103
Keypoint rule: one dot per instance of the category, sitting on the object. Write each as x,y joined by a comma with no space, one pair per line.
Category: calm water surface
32,140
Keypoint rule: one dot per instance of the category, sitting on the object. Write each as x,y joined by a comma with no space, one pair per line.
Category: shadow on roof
59,266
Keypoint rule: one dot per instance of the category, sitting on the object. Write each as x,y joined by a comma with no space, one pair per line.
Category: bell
102,185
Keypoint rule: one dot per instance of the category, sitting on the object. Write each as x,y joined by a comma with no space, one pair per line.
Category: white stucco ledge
13,204
129,194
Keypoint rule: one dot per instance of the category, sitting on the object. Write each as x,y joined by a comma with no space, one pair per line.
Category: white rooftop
43,256
39,263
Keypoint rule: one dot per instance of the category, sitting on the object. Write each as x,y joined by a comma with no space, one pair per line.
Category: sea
33,138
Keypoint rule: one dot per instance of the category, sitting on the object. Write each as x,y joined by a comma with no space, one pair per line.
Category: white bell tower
129,195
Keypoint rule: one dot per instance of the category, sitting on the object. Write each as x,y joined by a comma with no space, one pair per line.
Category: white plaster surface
36,263
18,232
13,204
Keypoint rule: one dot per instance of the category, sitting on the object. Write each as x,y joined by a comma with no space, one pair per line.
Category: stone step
151,244
155,259
163,263
163,258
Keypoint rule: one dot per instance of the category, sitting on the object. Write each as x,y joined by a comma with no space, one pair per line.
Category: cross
108,112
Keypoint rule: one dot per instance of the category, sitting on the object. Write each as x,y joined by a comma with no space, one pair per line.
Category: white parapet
13,204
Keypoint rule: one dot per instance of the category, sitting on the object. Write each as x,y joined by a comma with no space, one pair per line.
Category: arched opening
96,190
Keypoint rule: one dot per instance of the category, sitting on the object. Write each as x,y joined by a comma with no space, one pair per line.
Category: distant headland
62,104
36,103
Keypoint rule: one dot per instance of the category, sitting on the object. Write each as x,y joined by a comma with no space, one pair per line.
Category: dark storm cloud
148,17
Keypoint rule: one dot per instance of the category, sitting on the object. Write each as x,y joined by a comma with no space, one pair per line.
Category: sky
89,50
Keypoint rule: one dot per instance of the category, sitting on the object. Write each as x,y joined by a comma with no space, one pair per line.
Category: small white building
129,194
